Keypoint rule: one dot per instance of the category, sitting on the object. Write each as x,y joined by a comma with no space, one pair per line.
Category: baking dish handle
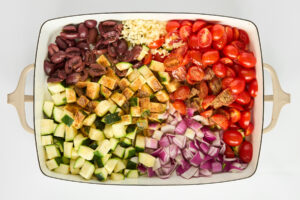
279,98
17,98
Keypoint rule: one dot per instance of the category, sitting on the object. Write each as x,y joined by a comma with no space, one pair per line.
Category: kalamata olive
110,34
90,23
60,65
109,23
95,79
69,36
136,50
72,51
119,28
49,67
97,70
138,64
92,36
90,57
71,43
100,51
112,51
61,74
54,79
74,63
110,40
122,47
61,43
73,78
83,45
70,28
52,49
58,57
83,31
121,73
84,75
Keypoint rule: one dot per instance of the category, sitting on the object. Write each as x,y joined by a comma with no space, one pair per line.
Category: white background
278,172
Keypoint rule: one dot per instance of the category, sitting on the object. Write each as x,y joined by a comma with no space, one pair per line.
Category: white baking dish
52,27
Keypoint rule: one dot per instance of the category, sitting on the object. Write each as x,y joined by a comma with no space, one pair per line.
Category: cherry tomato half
253,88
185,32
207,101
193,42
147,58
221,120
207,113
249,129
172,62
236,106
172,26
229,152
235,115
219,69
246,151
179,73
243,98
180,106
217,31
226,82
210,57
247,74
236,33
230,72
198,24
243,37
232,137
195,57
247,60
196,73
226,61
189,80
204,38
156,44
186,23
245,119
203,89
237,85
231,51
220,44
182,93
229,33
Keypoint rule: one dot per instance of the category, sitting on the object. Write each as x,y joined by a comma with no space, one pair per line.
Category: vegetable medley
148,98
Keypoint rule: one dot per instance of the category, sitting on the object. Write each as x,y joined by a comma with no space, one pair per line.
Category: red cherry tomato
207,113
179,73
198,25
207,101
147,58
172,26
234,126
220,120
243,37
249,129
231,51
247,74
203,89
236,106
171,38
229,152
237,68
232,137
210,57
182,93
230,72
185,32
219,70
172,62
243,98
247,60
217,31
226,61
186,23
236,33
245,119
229,33
196,73
246,151
180,106
193,42
226,82
250,105
220,44
195,57
239,45
156,44
204,38
186,59
235,115
253,88
181,51
189,80
237,85
159,57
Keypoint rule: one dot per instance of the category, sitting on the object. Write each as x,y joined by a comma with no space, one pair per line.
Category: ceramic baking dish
52,27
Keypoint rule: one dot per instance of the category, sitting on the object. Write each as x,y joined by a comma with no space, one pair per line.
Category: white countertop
278,172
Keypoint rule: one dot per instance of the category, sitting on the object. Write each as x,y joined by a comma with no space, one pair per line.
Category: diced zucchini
132,163
101,174
162,96
52,151
79,162
157,134
129,71
133,75
103,148
134,101
144,52
145,71
70,95
79,140
110,165
108,82
172,86
111,118
74,154
82,84
62,169
55,88
47,139
94,145
157,66
71,132
48,108
105,91
86,152
87,170
52,164
46,126
59,143
154,83
113,143
129,152
83,101
88,121
108,131
144,103
137,83
125,142
92,90
131,131
99,124
132,173
72,169
145,91
117,176
126,119
65,160
135,111
78,119
113,107
67,118
96,134
57,114
123,65
140,143
157,117
102,60
164,77
119,151
68,146
124,83
102,108
128,93
118,98
120,166
157,107
59,98
119,130
146,159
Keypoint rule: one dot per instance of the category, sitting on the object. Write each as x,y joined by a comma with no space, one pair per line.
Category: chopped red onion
164,141
187,154
196,159
157,134
216,167
181,127
204,147
205,172
208,134
154,126
206,165
180,141
195,125
191,146
189,133
150,172
190,111
173,151
167,128
190,173
157,164
213,151
164,156
151,143
156,152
